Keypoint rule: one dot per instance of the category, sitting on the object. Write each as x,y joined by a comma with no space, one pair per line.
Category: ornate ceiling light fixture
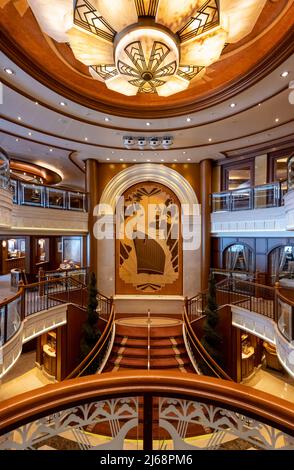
147,46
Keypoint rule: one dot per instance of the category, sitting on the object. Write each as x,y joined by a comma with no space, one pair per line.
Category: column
93,199
205,187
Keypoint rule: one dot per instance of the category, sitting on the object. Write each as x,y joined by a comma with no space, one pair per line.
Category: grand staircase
165,338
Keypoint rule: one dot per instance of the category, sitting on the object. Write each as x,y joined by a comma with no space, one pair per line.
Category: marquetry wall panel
150,265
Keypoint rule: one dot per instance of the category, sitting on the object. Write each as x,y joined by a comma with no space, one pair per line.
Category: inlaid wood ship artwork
150,262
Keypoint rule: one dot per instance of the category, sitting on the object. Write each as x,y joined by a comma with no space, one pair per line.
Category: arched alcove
190,222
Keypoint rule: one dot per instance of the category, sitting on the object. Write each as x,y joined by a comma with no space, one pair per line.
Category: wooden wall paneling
240,164
62,344
205,185
75,320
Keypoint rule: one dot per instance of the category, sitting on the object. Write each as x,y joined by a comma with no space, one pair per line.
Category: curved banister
205,356
8,300
285,299
47,400
81,368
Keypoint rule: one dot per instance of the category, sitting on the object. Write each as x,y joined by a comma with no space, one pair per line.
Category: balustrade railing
31,194
10,317
259,197
4,170
79,274
258,298
151,411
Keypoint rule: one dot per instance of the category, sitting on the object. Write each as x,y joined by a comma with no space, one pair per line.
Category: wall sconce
41,242
4,243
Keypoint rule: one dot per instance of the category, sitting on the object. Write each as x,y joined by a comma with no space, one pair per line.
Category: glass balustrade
260,197
28,194
221,202
268,195
76,201
4,170
291,173
241,199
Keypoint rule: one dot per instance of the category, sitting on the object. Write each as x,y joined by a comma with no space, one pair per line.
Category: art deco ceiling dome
147,46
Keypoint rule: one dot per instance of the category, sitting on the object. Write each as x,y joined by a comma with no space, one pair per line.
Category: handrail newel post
148,422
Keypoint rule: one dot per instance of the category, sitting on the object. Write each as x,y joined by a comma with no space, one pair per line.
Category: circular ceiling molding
265,48
23,169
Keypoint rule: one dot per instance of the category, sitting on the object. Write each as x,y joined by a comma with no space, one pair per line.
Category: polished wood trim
131,129
273,156
272,60
9,300
258,149
70,157
92,189
92,144
202,351
206,188
46,400
77,372
250,162
51,177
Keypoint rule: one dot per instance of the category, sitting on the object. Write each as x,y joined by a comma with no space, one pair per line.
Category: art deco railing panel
148,411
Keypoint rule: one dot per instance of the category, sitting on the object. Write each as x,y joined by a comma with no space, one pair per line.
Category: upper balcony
264,208
29,206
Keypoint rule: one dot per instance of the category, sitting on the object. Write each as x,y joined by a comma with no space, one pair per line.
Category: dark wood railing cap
253,403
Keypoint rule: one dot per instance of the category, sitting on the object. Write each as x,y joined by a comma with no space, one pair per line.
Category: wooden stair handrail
44,401
95,351
202,351
9,300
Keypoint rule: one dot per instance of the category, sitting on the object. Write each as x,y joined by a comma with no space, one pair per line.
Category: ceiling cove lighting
149,46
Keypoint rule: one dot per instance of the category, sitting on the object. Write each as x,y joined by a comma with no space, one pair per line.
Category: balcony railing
4,170
152,411
30,194
259,197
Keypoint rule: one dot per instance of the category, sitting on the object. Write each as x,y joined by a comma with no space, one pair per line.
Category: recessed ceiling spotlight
232,105
148,161
108,159
184,153
18,118
277,119
9,71
17,140
63,103
36,103
175,160
106,119
188,159
188,119
162,160
285,74
134,159
121,159
259,104
86,138
210,139
148,123
50,150
29,133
